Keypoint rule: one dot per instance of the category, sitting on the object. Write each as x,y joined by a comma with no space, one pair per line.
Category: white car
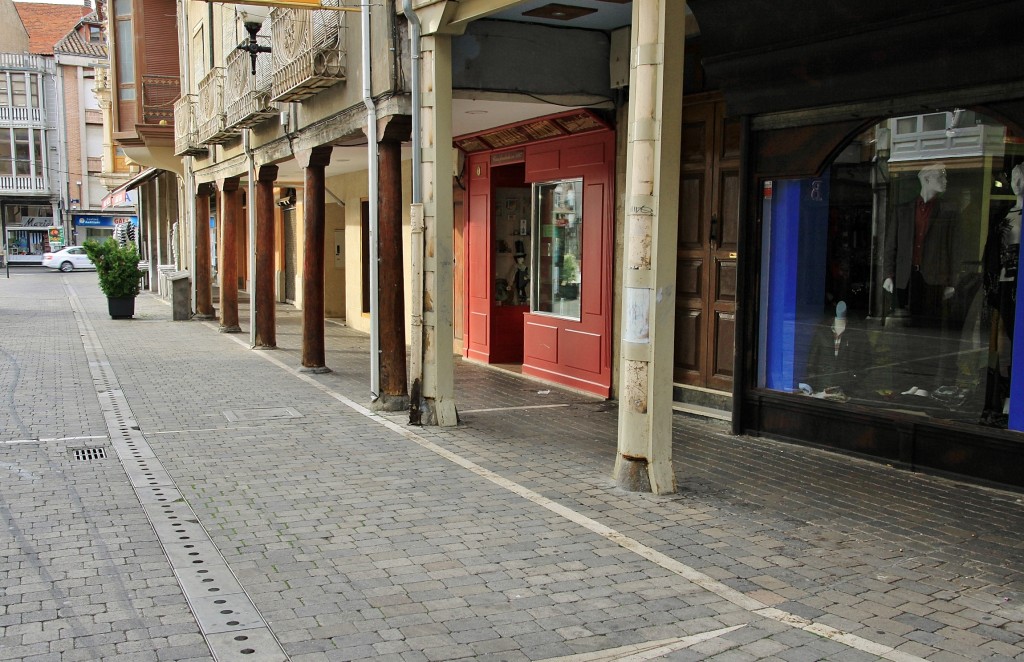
68,259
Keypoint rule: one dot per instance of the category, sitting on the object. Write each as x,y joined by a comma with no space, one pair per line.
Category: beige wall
353,189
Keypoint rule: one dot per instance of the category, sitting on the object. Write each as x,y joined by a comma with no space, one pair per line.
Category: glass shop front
888,289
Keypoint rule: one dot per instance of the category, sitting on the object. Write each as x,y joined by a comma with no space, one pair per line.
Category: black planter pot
121,307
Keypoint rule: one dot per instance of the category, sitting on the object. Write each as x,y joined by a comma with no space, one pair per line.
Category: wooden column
230,211
204,267
313,162
263,298
390,278
644,459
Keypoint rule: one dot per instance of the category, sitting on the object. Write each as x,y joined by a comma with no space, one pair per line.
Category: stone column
230,211
264,317
644,458
433,333
313,162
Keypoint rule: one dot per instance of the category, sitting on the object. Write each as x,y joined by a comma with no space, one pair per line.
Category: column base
264,347
316,370
230,329
390,403
203,317
631,474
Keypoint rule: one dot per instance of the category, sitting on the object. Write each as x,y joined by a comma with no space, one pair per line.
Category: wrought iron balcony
158,96
309,51
247,96
186,133
211,125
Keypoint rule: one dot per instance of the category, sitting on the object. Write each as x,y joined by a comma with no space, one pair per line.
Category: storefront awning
775,55
119,196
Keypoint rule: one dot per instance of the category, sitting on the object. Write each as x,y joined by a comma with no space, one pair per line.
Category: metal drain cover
88,454
260,414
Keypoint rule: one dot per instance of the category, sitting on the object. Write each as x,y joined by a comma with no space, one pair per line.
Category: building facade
689,211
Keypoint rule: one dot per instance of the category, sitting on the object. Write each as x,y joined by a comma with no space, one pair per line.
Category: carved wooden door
707,247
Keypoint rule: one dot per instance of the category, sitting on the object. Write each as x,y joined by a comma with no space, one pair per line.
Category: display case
558,261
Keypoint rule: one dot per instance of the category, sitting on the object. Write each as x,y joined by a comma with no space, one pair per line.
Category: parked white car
68,259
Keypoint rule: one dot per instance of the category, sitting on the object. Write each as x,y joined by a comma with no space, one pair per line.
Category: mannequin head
933,180
1017,180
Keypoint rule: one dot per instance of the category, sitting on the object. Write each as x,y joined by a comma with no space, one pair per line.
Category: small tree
117,267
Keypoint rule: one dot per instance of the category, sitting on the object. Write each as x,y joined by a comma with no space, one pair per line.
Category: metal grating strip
233,627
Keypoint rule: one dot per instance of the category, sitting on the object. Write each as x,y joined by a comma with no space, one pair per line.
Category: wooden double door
707,246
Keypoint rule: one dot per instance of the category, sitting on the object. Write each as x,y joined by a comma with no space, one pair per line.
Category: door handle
714,230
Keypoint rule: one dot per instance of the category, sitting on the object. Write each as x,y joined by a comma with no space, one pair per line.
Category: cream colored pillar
644,459
433,346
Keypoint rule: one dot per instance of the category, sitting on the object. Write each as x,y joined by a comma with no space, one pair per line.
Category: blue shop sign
83,220
94,221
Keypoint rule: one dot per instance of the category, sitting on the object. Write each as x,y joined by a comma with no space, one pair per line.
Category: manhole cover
261,414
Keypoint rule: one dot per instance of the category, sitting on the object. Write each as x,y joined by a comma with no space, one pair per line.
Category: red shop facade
539,236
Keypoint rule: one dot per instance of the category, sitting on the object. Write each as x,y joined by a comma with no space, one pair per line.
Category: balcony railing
247,96
21,184
211,126
158,96
186,133
26,61
13,114
309,51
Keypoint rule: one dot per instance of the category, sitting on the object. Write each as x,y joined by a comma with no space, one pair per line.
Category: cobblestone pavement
170,494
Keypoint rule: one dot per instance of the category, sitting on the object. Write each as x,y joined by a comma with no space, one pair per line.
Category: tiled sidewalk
355,536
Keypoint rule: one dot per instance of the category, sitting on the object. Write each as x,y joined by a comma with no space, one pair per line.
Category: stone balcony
309,51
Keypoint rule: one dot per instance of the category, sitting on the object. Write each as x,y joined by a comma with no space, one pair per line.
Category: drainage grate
88,454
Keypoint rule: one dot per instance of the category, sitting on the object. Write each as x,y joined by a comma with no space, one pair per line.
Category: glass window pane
892,282
18,98
558,248
6,155
34,83
122,7
38,154
125,53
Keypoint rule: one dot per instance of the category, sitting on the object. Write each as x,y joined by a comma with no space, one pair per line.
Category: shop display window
890,280
558,258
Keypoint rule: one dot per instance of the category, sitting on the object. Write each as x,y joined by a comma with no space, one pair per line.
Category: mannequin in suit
919,248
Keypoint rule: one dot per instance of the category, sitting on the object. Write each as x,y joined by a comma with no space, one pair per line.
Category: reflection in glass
891,280
558,254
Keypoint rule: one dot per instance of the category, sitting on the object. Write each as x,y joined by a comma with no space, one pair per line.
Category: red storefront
539,233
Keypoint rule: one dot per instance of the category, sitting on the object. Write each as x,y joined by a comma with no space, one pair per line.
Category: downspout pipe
415,222
250,212
371,148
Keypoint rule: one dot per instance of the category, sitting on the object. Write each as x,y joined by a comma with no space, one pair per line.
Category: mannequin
1002,251
519,277
918,260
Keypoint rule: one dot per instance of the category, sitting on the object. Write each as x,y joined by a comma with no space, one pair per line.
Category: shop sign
515,156
93,221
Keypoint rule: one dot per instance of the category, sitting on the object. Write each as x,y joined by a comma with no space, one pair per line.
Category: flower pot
121,307
569,291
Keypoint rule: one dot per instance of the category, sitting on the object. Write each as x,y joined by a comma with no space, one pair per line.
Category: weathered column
313,162
394,394
265,319
644,459
204,266
433,379
230,211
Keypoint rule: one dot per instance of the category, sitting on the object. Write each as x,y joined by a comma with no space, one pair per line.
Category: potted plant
118,269
568,283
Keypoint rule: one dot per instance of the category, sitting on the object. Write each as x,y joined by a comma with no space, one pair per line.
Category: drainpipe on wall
415,224
371,148
250,203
